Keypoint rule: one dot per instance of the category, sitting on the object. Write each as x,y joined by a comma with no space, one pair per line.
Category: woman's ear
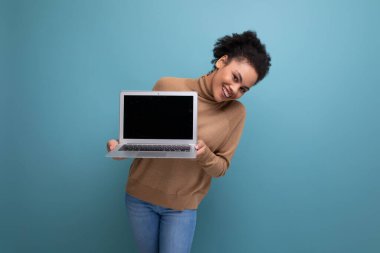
221,62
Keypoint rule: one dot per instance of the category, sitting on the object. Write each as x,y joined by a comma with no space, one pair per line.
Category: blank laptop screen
158,117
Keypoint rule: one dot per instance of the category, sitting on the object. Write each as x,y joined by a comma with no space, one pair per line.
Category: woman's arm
216,163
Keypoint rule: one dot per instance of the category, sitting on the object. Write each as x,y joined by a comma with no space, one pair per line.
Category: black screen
158,117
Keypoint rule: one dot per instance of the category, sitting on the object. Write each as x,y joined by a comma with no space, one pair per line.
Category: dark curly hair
245,46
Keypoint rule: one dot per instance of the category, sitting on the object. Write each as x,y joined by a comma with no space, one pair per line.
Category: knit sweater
183,183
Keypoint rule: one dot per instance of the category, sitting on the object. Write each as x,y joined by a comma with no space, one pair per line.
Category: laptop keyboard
178,148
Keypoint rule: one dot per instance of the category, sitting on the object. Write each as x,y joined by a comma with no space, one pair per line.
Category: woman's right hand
111,145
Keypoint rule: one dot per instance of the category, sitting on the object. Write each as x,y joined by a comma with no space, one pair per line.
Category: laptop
157,124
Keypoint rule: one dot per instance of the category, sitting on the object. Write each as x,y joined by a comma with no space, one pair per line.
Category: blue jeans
159,229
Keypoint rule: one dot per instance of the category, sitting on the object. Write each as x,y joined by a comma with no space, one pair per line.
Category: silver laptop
157,124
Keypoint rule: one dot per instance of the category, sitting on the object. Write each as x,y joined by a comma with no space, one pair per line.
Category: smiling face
231,79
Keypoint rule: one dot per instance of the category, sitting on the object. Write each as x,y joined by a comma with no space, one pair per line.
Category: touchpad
150,154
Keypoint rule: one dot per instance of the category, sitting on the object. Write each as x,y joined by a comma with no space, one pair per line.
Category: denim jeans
159,229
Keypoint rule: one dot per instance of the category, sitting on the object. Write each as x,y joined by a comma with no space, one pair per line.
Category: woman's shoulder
235,106
235,111
169,83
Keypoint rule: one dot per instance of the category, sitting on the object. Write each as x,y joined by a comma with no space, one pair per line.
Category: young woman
162,195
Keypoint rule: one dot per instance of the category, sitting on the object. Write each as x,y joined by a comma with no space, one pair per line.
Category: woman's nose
234,88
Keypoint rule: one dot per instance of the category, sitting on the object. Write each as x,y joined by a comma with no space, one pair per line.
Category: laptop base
151,154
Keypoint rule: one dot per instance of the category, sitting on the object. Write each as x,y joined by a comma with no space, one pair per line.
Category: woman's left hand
200,147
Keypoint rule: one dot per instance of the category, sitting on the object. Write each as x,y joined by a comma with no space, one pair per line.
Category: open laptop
157,124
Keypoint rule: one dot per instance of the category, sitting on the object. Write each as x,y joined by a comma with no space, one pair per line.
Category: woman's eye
235,78
243,90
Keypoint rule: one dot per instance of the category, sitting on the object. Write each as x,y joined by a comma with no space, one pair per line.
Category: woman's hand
111,145
200,147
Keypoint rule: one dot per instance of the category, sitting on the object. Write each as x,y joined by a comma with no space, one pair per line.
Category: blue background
305,177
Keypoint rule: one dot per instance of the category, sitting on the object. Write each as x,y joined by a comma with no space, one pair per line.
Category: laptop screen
158,117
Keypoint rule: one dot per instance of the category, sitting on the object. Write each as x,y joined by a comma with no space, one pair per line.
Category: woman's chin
220,99
223,98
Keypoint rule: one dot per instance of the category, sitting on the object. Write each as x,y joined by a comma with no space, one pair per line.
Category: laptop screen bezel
159,93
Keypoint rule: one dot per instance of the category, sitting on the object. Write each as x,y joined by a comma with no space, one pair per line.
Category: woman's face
232,80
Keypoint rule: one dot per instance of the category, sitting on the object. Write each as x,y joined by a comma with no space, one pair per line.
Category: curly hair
245,46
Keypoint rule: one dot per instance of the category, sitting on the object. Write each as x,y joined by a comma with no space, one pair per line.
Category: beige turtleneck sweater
183,183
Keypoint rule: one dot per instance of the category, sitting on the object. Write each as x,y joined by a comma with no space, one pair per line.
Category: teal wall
305,177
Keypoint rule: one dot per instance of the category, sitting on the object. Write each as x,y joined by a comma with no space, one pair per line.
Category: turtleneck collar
204,89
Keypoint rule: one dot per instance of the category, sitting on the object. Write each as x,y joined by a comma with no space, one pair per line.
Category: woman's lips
225,92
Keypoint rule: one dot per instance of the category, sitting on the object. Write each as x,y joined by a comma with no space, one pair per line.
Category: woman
162,195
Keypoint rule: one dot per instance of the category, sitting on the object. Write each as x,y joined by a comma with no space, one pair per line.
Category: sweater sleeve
216,163
167,84
159,86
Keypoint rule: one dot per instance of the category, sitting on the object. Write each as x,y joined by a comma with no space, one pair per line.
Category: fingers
111,144
200,145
